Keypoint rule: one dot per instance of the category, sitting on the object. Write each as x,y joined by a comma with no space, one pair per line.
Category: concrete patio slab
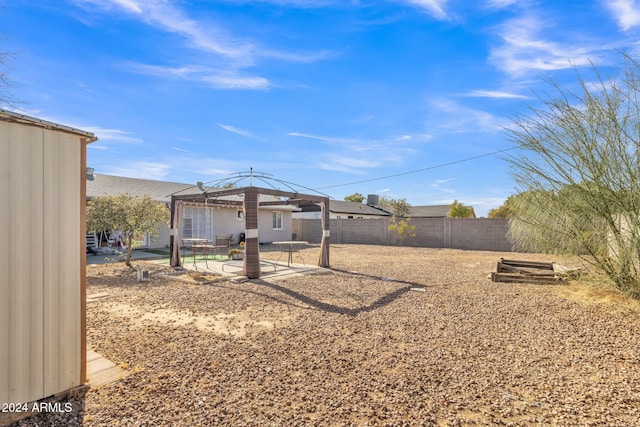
270,270
101,371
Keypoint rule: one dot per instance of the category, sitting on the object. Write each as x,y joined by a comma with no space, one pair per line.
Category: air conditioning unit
143,275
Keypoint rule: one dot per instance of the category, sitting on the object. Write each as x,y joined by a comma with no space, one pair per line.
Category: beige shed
42,258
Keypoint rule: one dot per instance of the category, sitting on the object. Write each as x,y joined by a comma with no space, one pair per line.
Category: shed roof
10,116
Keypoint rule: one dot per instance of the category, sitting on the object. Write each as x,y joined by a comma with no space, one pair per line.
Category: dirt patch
234,324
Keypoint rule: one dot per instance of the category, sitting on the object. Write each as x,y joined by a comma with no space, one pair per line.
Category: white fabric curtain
201,222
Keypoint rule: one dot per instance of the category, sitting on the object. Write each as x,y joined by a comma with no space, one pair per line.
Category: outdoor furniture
194,244
222,243
92,241
291,246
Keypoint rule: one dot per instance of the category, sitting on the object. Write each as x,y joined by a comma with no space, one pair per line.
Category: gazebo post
174,244
326,233
251,245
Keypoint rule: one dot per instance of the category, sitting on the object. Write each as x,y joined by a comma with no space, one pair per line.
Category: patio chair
92,241
222,243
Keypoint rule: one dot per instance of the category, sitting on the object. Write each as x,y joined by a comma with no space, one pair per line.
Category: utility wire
417,170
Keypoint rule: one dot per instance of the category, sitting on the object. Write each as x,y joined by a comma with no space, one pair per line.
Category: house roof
343,207
160,191
434,211
354,208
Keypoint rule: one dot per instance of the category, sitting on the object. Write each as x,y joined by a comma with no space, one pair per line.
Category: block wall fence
484,234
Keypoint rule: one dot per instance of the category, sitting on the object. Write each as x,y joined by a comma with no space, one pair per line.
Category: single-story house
341,209
344,209
435,211
198,221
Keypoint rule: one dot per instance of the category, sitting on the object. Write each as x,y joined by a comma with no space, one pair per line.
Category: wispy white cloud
500,4
348,163
165,16
354,155
438,185
204,35
626,12
116,135
435,8
237,82
181,150
494,94
235,130
146,170
448,114
323,138
229,80
524,49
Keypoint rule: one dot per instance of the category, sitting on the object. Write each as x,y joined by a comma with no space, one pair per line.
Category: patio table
291,247
195,243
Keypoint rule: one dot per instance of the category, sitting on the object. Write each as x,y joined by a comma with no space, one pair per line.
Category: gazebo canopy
250,205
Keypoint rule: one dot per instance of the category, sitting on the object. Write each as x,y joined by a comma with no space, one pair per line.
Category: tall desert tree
129,215
578,166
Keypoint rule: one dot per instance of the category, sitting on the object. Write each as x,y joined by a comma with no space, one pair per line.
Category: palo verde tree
400,218
127,214
578,166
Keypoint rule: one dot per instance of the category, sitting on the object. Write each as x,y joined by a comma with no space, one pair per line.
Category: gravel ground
390,336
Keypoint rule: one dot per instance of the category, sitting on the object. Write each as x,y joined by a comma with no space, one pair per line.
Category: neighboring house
435,211
341,209
197,221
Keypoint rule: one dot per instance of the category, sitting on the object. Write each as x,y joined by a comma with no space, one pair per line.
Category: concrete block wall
488,234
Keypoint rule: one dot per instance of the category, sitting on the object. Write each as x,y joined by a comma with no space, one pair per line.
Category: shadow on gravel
331,308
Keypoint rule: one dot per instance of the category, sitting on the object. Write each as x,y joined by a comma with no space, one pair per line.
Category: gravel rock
358,347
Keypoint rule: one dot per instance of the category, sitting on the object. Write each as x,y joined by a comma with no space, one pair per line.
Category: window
187,230
197,223
277,220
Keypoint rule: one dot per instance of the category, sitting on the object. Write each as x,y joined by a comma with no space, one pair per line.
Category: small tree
400,222
129,215
458,210
355,197
403,227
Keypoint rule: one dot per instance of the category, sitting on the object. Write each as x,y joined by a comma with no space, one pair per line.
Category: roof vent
373,199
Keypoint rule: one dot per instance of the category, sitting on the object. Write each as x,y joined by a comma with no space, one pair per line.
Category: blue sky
371,96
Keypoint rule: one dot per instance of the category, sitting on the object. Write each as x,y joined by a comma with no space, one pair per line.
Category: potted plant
237,253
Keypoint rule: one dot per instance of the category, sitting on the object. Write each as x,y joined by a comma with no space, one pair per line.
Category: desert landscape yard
387,336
